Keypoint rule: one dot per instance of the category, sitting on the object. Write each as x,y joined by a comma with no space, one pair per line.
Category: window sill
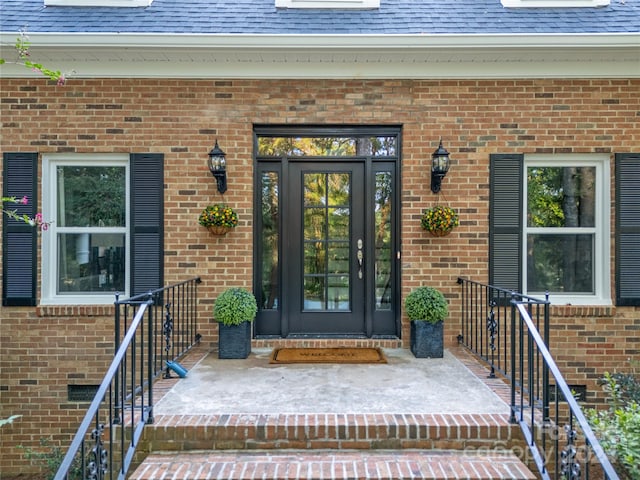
75,310
590,311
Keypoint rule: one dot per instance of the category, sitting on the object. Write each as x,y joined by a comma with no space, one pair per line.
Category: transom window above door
333,146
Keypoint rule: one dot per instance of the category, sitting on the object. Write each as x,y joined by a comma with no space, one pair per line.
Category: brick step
330,431
320,465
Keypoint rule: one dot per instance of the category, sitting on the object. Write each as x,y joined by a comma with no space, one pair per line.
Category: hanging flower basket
439,233
218,229
218,219
439,220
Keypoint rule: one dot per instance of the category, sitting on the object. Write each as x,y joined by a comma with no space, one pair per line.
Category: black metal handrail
485,323
560,439
150,330
510,332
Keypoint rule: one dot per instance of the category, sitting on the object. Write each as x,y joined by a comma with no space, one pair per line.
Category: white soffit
340,57
325,4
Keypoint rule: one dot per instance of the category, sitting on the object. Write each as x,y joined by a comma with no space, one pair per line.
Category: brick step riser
187,444
334,432
318,465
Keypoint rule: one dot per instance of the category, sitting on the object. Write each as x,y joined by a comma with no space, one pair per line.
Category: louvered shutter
19,259
505,221
627,229
147,222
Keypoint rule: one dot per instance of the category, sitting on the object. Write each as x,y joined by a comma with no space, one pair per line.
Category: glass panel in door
326,226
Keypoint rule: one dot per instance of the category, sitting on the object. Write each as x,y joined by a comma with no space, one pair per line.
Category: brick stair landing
331,446
321,465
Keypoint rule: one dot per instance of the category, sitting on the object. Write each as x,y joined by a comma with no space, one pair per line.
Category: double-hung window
566,228
550,226
85,254
107,230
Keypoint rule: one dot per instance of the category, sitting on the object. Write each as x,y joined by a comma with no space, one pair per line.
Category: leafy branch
36,221
22,47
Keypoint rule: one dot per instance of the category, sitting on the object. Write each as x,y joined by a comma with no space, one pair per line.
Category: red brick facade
44,349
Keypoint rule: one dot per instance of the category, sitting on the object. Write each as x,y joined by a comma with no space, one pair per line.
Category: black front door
327,247
326,233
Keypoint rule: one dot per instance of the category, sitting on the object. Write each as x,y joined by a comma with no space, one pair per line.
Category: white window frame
554,3
601,231
324,4
50,162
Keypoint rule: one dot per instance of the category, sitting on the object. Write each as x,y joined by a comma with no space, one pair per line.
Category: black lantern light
218,167
439,167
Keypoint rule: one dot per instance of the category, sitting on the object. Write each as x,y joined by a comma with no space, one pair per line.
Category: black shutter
505,221
627,229
147,221
19,255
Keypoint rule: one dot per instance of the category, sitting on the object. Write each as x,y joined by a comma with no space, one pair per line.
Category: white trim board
329,56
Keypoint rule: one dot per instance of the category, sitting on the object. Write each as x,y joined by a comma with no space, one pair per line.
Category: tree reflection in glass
327,222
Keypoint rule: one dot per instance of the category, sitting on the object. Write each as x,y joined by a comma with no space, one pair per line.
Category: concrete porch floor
409,418
455,384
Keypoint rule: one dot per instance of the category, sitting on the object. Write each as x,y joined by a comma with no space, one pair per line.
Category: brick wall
44,349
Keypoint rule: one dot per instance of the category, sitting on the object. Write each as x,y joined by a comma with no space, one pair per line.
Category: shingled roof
401,38
258,17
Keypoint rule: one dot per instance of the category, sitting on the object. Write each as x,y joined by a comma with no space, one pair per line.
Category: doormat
327,355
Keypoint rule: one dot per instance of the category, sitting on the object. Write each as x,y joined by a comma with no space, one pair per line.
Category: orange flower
218,215
439,219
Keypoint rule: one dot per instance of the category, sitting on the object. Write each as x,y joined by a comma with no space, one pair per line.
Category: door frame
273,323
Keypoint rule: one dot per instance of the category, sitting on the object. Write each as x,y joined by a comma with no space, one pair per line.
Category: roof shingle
256,17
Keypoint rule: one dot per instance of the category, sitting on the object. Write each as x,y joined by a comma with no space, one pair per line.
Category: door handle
360,257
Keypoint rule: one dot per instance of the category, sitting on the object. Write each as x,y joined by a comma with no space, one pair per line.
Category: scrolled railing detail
123,403
99,456
167,330
492,328
509,331
569,467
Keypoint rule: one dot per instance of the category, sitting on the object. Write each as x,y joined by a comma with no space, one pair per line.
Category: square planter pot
427,339
234,341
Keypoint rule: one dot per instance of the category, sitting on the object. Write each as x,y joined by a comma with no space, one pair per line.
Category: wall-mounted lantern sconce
439,167
218,167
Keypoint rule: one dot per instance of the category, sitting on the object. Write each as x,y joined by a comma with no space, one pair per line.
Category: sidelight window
269,283
383,235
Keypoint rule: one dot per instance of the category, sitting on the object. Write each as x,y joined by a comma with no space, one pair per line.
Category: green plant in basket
439,220
218,215
235,306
